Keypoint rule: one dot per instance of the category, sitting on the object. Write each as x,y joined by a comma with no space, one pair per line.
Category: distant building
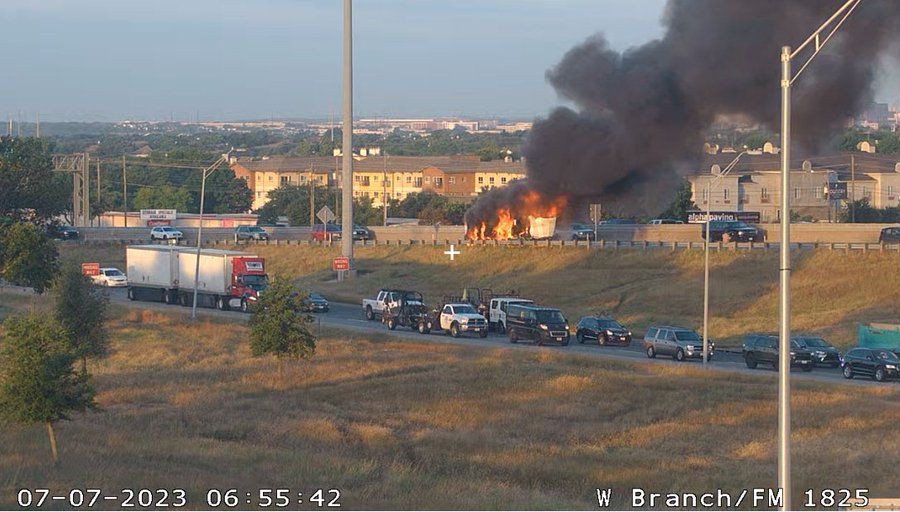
754,184
380,177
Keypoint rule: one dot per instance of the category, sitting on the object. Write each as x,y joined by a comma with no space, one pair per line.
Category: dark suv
731,231
530,322
678,342
889,236
250,233
603,329
582,231
879,363
763,349
822,352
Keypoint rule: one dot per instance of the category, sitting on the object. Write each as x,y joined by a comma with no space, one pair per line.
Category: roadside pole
347,149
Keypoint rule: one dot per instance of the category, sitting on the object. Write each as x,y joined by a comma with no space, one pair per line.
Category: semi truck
227,279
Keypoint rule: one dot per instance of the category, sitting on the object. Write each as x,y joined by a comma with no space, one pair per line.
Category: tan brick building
379,176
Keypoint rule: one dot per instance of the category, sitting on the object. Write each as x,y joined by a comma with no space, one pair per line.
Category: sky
109,60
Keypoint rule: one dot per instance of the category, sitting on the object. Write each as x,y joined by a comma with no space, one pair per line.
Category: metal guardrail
598,245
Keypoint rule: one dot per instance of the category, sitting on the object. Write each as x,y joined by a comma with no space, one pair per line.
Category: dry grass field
418,425
832,291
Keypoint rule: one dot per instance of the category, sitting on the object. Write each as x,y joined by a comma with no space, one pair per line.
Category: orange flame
513,221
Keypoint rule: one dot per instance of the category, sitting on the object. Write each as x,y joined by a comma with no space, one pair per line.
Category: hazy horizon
226,60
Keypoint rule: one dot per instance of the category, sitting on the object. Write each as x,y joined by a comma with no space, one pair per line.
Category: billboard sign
340,263
698,217
149,215
90,269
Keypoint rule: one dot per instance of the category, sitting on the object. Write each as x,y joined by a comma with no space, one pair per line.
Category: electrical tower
77,165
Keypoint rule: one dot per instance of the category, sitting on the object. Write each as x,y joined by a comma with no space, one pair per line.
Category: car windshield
609,324
256,282
549,316
887,355
686,336
114,272
465,309
813,342
256,229
316,296
577,227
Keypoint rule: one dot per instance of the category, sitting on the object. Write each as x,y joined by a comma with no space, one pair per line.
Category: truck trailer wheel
221,303
369,314
130,293
424,328
513,336
392,323
245,306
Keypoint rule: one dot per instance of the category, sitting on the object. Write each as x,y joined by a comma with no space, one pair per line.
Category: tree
165,196
292,201
81,310
277,328
889,145
29,189
27,256
681,205
37,381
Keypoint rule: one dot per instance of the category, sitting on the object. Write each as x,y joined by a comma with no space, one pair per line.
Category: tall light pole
709,182
347,167
206,172
784,333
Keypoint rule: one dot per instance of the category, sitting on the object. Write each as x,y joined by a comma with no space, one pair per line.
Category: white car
165,233
460,318
110,277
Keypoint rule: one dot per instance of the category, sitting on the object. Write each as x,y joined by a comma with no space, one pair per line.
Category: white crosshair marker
452,252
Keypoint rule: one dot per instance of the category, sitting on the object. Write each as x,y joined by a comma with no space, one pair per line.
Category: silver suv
679,342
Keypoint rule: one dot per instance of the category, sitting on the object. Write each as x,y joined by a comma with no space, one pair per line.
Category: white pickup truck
461,318
373,308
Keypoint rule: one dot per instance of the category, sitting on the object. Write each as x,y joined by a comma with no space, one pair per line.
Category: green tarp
880,335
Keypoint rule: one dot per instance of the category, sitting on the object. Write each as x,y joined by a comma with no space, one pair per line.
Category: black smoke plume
641,114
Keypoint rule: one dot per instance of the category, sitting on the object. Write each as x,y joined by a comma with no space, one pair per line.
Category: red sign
90,269
152,223
340,263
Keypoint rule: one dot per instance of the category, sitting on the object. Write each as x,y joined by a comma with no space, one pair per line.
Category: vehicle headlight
609,332
740,233
465,320
690,348
891,366
793,353
567,327
543,326
629,333
819,353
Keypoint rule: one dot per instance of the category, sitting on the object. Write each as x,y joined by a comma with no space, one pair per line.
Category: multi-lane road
350,317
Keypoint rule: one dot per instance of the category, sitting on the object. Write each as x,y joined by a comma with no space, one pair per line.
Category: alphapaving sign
149,215
90,269
340,263
700,217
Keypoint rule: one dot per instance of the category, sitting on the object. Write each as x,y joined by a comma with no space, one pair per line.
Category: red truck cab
248,277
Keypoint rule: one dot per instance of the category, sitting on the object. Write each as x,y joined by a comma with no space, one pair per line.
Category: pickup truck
374,308
456,319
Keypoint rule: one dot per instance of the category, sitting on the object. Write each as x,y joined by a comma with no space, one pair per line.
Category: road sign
90,269
340,263
325,215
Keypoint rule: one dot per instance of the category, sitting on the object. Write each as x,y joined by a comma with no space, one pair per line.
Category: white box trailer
216,269
152,270
541,227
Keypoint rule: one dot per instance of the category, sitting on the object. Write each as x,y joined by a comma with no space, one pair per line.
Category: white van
497,313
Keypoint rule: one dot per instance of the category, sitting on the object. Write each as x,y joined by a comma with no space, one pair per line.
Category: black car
314,303
731,231
530,322
878,363
603,329
582,231
763,349
62,232
822,352
361,233
889,236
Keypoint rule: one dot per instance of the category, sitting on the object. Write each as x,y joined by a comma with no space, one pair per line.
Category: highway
350,317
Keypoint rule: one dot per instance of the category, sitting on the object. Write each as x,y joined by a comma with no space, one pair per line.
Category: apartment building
380,177
754,184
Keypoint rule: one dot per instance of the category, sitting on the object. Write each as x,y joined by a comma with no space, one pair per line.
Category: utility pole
312,201
98,191
384,194
124,192
347,170
827,30
852,188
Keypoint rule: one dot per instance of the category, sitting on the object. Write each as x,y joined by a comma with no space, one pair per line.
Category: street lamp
784,334
206,172
709,182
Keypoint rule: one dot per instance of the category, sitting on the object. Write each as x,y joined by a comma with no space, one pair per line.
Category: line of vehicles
479,312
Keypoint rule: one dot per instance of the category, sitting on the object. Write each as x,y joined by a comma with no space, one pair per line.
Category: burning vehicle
522,213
